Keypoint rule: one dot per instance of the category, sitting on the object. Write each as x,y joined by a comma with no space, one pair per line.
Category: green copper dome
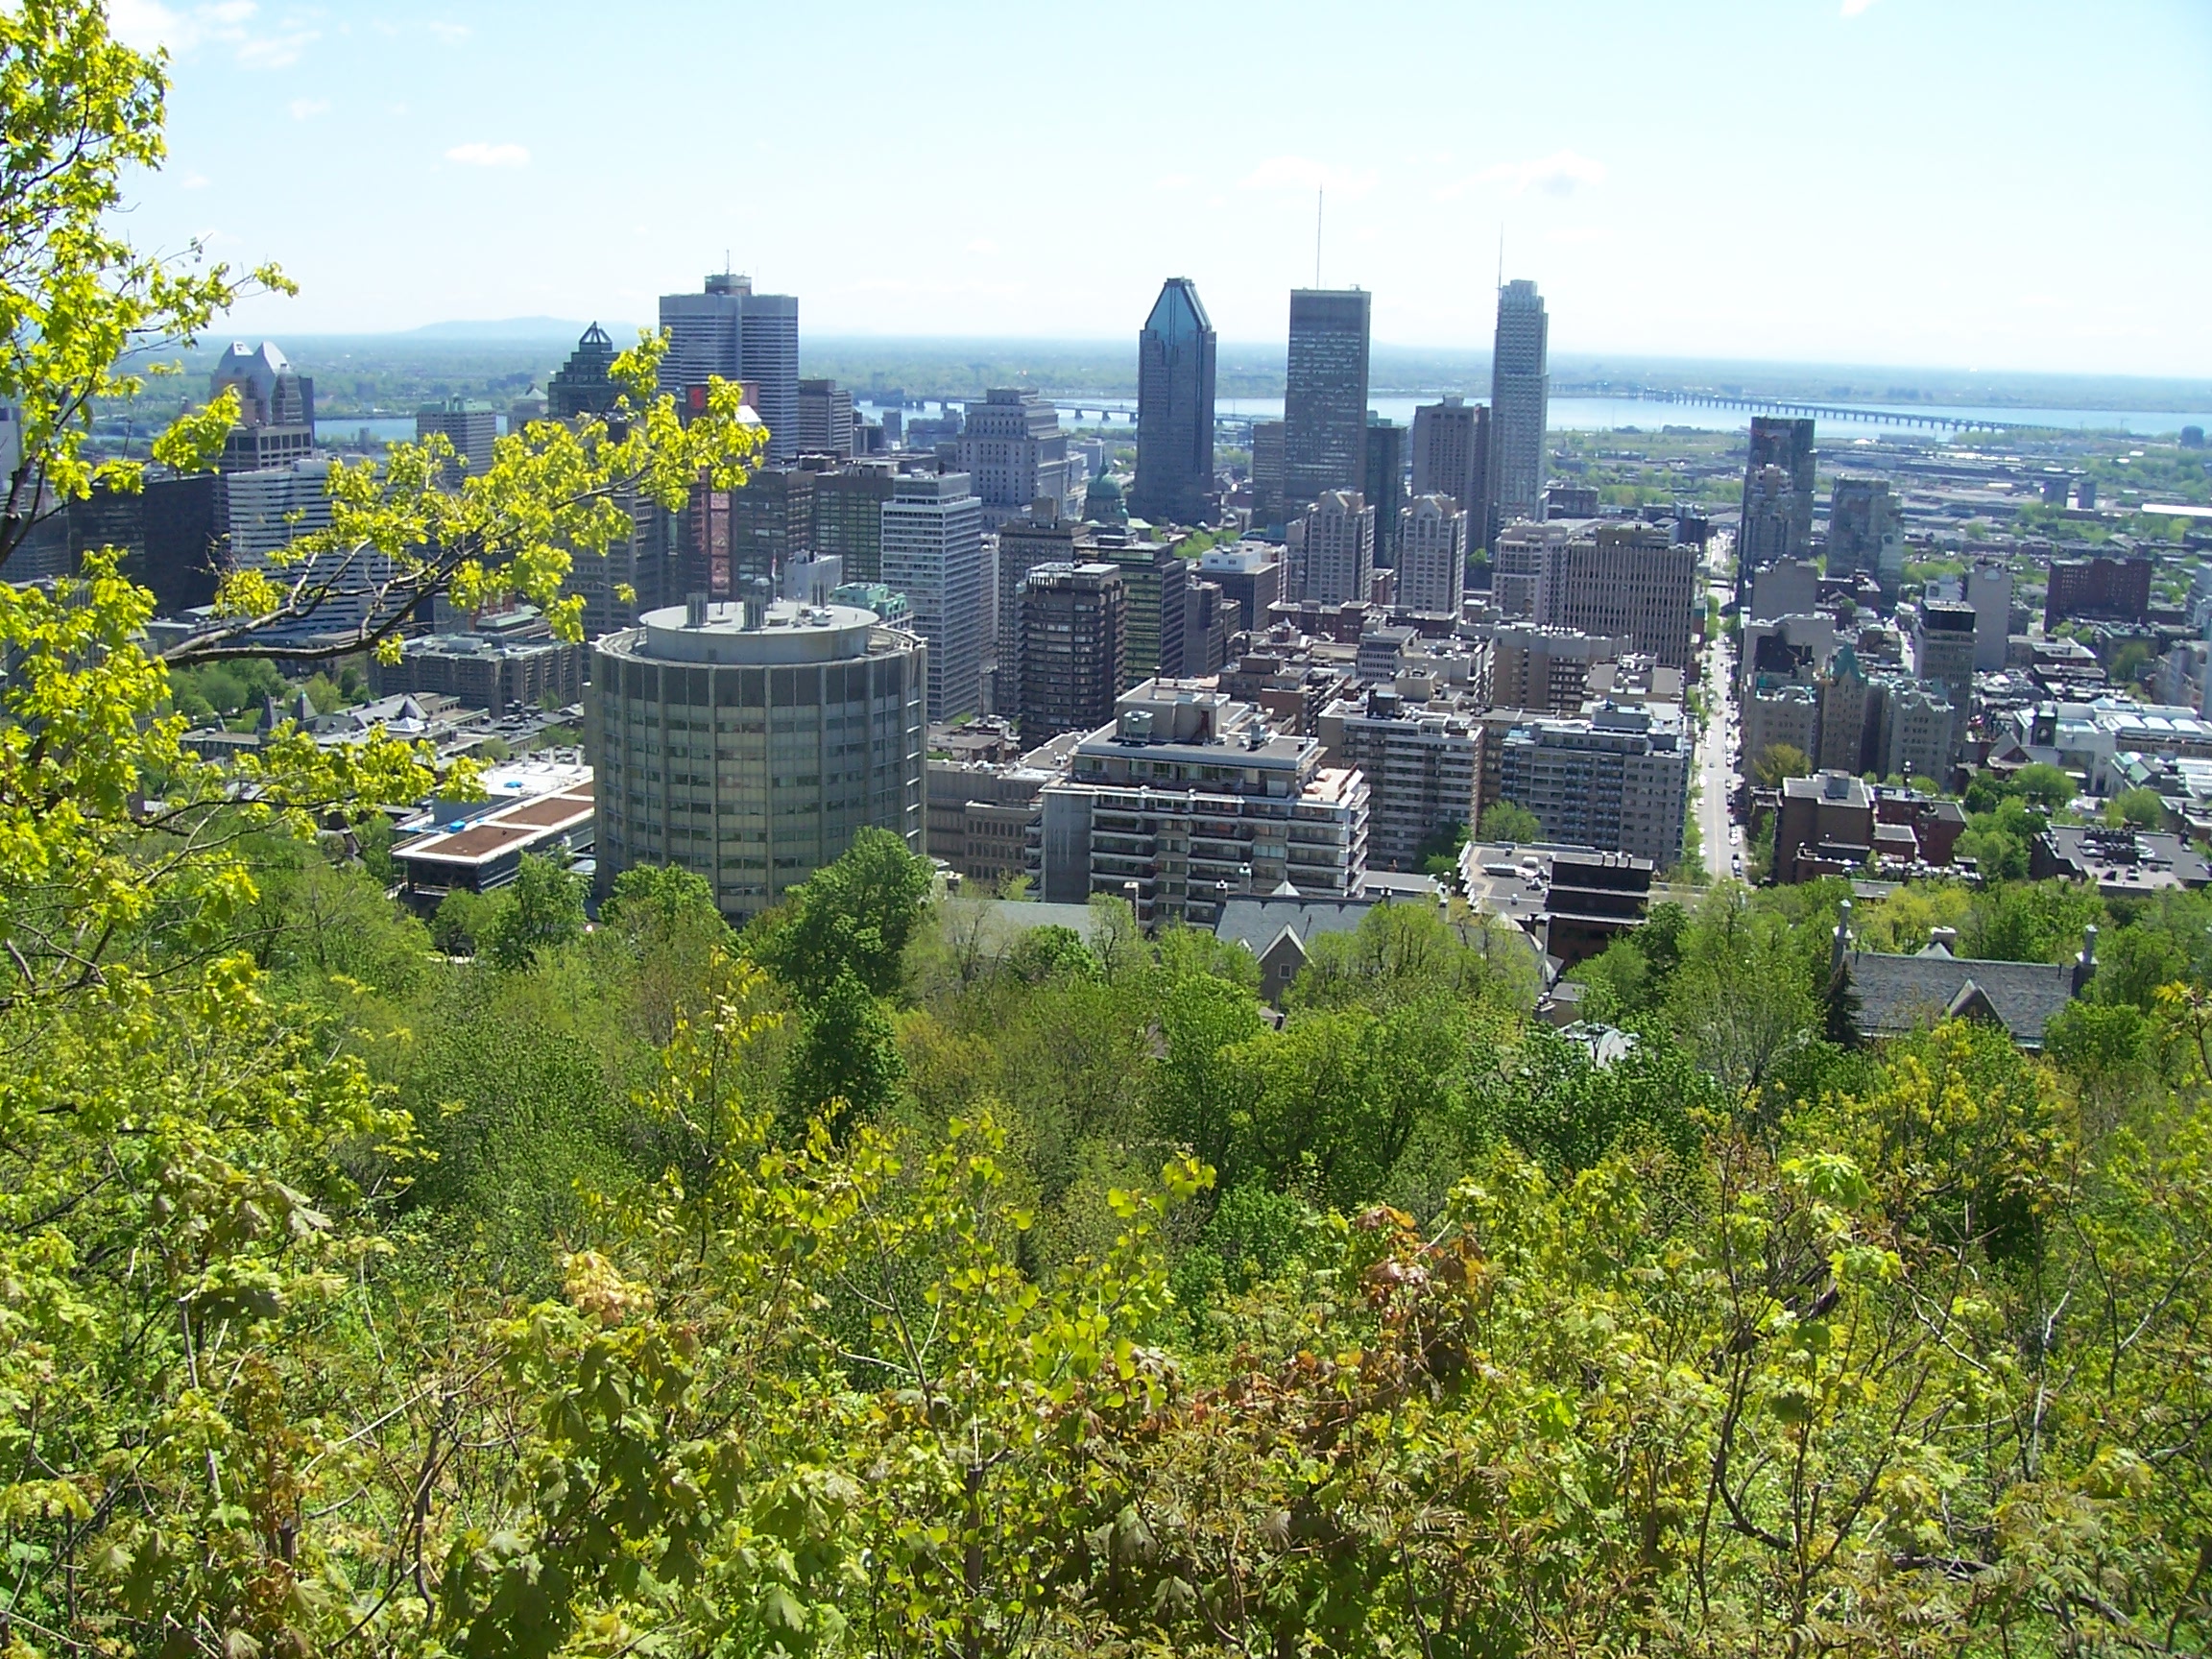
1103,501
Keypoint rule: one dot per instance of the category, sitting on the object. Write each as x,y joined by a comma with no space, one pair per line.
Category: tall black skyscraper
1325,401
1520,400
1386,485
585,385
1174,407
1776,522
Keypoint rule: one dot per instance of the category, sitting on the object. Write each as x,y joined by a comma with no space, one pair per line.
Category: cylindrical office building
750,742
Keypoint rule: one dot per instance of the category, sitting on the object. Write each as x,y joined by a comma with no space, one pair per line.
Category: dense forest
891,1279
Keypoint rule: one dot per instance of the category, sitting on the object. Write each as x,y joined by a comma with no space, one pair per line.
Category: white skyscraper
1520,396
1431,556
933,554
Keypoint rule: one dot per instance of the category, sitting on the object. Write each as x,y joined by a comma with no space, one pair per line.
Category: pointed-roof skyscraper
585,384
1175,407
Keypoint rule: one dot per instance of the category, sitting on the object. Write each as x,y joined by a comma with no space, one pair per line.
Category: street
1719,839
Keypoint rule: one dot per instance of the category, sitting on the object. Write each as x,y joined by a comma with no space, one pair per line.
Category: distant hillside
530,328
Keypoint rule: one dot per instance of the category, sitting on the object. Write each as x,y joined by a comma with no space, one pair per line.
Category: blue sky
1970,183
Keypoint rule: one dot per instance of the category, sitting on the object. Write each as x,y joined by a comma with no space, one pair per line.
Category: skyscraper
1863,532
1267,507
824,418
933,554
1013,450
275,408
1433,555
849,516
1049,535
1325,396
471,426
585,384
1777,508
1175,407
1386,485
1520,396
729,330
1452,457
1074,628
1331,552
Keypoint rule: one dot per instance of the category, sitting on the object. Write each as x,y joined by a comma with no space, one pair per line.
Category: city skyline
395,166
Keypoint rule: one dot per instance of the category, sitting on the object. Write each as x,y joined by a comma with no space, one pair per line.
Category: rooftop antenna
1501,255
1318,195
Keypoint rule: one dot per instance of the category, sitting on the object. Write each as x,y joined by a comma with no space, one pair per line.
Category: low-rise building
2124,863
478,671
478,846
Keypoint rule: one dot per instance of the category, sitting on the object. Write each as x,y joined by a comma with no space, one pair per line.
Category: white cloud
452,33
982,245
1561,173
307,109
489,155
1172,181
1297,172
193,181
147,24
1852,7
275,51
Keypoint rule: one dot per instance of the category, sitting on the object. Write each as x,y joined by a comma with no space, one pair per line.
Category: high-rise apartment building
729,331
1331,557
1433,555
1072,624
1013,449
848,516
749,742
585,384
1386,485
825,419
1188,800
1452,457
1517,563
1049,535
1618,780
1520,403
1325,395
276,423
1626,580
1864,532
1777,505
1423,762
933,554
1175,408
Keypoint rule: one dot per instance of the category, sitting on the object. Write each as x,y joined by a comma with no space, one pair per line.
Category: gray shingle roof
1900,994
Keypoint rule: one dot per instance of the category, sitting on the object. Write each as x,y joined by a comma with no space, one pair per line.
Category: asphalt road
1723,841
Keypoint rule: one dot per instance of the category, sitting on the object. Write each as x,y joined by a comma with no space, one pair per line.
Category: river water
1567,415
